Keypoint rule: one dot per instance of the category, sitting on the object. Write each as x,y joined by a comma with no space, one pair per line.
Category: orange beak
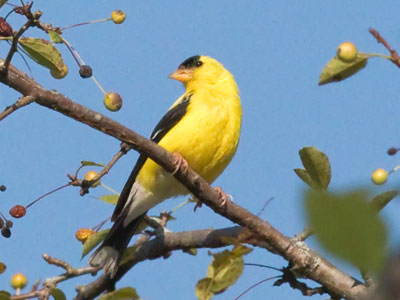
182,75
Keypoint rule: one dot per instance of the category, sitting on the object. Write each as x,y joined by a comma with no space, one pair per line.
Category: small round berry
392,151
59,75
5,231
2,188
85,71
5,28
18,281
9,223
118,16
379,176
113,101
3,267
83,234
90,176
347,52
18,211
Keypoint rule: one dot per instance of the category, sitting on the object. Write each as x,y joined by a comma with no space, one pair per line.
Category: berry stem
55,190
85,23
180,205
109,189
381,55
99,85
395,169
256,284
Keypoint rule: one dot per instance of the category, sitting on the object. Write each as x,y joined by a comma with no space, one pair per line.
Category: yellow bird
202,127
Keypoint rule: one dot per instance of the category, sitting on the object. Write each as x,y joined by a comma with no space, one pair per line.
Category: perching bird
202,127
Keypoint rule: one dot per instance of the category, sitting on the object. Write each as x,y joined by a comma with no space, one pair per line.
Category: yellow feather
208,134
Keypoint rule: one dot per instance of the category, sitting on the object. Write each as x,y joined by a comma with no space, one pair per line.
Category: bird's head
200,71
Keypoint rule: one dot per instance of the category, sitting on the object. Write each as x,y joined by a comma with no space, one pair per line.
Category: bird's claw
199,204
224,196
179,162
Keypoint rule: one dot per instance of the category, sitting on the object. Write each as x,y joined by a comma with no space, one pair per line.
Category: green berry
347,52
59,75
113,101
379,176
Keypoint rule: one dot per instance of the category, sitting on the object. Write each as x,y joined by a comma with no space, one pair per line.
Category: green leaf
43,52
303,174
4,295
93,241
317,166
91,163
111,199
337,70
349,227
55,37
58,294
203,289
2,2
241,250
380,201
126,293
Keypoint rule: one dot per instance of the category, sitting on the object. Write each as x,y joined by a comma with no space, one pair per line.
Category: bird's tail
109,254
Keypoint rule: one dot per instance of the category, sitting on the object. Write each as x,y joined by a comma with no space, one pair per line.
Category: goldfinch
202,127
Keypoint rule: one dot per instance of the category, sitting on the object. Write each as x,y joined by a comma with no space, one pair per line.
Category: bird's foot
180,163
224,196
199,204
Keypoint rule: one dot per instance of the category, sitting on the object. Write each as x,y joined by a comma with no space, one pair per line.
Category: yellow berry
379,176
90,176
83,234
347,52
113,101
59,75
118,16
18,281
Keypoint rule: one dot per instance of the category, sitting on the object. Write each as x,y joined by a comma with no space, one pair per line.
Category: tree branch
21,102
162,245
314,266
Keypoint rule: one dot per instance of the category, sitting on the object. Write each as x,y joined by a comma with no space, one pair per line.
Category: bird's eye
199,63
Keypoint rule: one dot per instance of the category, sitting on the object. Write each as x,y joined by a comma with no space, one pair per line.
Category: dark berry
5,28
2,188
85,71
9,223
392,151
6,232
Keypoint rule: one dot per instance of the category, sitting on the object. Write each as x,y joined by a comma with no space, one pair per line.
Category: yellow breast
207,137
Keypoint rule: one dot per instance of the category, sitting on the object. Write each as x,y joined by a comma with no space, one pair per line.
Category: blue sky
276,51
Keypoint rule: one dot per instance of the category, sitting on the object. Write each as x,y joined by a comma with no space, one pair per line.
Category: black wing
168,121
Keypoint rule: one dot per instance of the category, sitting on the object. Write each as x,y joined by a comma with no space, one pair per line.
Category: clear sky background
276,51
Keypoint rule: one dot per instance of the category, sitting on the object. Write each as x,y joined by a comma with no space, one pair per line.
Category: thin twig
290,278
21,102
380,39
13,49
85,187
307,232
50,283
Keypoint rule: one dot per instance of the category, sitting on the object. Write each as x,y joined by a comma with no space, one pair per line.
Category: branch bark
313,265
